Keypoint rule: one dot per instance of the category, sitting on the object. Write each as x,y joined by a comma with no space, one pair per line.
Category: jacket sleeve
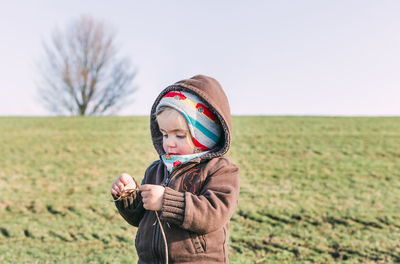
130,209
212,208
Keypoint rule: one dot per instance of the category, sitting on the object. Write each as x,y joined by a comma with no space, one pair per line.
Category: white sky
317,57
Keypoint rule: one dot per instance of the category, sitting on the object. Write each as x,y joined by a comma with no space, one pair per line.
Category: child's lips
171,153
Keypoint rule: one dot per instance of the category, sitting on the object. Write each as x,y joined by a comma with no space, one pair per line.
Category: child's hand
152,196
124,181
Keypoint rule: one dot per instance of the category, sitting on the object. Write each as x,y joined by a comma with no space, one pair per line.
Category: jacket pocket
199,242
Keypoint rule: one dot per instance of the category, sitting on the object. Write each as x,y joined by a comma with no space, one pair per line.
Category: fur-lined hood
211,92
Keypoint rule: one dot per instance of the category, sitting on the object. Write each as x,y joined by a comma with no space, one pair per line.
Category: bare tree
81,73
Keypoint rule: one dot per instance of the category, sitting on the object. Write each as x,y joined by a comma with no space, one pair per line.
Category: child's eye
181,136
165,135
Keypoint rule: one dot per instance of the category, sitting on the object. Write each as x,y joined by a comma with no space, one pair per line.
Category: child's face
176,135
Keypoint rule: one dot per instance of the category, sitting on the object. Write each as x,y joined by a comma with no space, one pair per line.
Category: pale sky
318,57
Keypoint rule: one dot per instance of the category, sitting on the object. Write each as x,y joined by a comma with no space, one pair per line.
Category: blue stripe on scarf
202,128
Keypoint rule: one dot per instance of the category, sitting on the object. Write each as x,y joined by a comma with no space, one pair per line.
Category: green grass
313,189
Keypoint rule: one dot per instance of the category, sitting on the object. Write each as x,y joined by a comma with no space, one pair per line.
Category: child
193,187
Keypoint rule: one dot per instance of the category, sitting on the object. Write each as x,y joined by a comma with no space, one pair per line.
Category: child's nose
171,142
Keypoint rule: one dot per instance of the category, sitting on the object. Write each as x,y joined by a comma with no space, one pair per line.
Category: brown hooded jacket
200,196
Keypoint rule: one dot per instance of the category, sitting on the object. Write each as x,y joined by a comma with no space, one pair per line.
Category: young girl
193,187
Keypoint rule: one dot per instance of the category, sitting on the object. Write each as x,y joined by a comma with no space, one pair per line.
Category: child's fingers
120,186
125,178
144,194
145,187
131,185
145,203
115,190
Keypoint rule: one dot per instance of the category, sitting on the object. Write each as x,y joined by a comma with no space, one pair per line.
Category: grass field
313,189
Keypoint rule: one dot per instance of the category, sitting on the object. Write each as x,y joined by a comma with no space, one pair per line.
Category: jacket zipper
156,239
165,184
156,245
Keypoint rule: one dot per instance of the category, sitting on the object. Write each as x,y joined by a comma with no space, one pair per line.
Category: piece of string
133,193
164,237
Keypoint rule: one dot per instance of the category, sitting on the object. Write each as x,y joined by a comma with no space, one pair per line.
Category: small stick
126,193
134,189
132,192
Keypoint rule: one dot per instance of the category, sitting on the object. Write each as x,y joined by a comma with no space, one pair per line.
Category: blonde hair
162,109
171,113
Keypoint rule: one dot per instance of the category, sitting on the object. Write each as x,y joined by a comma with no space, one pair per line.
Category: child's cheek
164,146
